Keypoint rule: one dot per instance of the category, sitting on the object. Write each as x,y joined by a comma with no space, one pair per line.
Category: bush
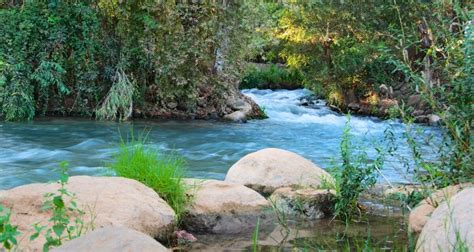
354,176
162,173
271,77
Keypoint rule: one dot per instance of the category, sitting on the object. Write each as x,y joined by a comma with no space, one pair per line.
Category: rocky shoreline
122,213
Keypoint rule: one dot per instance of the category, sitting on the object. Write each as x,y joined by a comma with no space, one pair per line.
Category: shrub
355,175
271,77
162,173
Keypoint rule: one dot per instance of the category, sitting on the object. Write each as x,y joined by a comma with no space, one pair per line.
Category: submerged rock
269,169
112,239
307,203
420,215
451,226
106,201
223,207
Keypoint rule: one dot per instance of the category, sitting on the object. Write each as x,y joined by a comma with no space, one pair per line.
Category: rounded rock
112,239
269,169
451,226
422,212
223,207
106,201
237,116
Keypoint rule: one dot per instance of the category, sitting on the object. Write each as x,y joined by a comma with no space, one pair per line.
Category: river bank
237,213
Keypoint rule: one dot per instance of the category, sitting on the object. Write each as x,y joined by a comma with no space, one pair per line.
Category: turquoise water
30,151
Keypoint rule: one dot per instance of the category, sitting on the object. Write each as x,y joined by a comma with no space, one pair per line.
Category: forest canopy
118,59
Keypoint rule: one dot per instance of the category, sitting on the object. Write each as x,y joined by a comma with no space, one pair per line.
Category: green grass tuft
163,173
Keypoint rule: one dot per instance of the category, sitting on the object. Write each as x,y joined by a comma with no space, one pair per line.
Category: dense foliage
351,48
405,58
77,57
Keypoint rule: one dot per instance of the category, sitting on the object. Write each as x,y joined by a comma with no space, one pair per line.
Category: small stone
434,119
354,106
182,235
172,105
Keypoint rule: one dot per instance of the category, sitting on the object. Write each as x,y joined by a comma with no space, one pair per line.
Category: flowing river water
30,151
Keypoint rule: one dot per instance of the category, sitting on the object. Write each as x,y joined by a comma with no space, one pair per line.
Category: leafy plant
119,100
8,232
162,173
355,175
63,207
63,57
272,77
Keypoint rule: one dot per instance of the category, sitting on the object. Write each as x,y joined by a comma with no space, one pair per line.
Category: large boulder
422,212
451,226
223,207
269,169
307,203
112,239
106,201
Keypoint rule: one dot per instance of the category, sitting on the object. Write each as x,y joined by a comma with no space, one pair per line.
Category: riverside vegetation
114,60
162,173
60,228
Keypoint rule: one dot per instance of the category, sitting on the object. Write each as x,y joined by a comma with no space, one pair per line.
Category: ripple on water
29,152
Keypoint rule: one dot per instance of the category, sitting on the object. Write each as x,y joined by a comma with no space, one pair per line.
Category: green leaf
58,202
58,229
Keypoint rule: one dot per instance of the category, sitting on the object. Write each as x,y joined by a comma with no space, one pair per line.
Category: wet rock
237,116
241,105
418,113
451,226
106,201
172,105
269,169
307,203
384,91
221,207
386,104
420,215
112,239
422,119
434,119
406,190
184,237
354,106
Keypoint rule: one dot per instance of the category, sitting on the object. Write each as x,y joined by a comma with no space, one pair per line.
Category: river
30,151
